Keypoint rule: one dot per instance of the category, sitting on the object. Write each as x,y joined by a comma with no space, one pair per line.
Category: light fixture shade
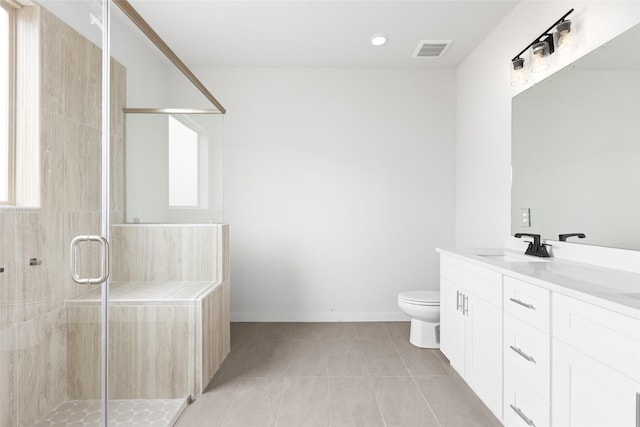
564,38
540,60
519,73
378,39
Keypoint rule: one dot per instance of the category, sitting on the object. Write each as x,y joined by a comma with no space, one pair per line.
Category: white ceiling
319,33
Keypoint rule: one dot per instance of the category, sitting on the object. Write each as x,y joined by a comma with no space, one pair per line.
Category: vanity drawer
527,302
523,406
608,337
482,282
527,354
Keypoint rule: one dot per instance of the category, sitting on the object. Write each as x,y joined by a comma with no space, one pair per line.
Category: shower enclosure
71,351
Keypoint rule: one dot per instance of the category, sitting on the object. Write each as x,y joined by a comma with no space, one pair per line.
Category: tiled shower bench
167,339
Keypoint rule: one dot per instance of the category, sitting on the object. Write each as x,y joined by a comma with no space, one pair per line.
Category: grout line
279,403
426,401
373,388
235,394
415,383
366,362
326,382
447,366
375,395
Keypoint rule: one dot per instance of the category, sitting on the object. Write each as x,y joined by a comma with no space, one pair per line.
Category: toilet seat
426,298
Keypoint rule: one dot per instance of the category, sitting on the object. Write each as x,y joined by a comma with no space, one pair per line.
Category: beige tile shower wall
59,129
83,352
213,345
151,352
8,376
41,358
224,250
9,306
175,345
166,252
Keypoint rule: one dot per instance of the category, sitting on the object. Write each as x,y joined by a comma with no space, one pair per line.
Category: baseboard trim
345,316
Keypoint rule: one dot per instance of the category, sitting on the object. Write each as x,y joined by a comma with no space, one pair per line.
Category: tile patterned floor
123,413
334,374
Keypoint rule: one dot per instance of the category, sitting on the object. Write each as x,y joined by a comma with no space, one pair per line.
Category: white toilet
424,309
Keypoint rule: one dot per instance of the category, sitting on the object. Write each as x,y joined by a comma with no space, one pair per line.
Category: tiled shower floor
122,413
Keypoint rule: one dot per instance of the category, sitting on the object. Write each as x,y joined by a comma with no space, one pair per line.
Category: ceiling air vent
432,48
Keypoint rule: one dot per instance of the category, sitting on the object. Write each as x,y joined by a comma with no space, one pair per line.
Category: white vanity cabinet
527,354
471,325
596,366
553,343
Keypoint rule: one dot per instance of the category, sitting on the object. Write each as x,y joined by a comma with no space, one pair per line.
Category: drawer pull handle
465,305
521,414
458,305
523,354
524,304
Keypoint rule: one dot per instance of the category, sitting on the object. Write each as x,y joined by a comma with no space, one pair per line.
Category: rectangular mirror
576,149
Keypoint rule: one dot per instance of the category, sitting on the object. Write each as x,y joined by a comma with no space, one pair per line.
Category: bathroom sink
509,257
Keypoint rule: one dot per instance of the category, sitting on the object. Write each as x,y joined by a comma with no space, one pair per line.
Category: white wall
338,185
483,142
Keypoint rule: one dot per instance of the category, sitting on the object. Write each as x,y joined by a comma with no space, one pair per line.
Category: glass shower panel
173,177
77,349
61,109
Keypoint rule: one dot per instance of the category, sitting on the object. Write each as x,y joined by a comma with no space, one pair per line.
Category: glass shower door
84,350
89,252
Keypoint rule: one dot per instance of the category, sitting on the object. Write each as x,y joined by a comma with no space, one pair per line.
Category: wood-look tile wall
149,354
157,350
165,252
60,185
213,343
162,350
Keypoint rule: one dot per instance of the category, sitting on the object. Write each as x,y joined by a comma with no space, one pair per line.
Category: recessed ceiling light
378,39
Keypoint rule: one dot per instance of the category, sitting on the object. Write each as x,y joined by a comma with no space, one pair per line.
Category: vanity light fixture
378,39
564,38
519,74
540,57
559,37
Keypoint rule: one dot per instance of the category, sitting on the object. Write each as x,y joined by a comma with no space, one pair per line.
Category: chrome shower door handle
104,265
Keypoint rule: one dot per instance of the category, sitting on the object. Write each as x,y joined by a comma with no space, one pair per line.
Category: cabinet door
483,352
452,325
588,393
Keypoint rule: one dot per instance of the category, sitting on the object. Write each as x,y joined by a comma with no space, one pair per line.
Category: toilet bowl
424,309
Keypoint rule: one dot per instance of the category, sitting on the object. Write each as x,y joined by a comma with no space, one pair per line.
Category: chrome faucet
535,248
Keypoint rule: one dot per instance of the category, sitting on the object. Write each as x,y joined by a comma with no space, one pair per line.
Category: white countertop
604,287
